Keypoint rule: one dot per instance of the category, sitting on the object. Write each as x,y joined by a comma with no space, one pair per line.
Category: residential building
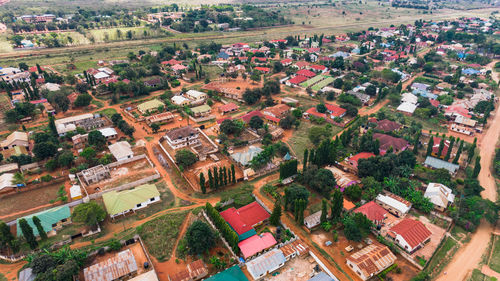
51,220
436,163
121,150
373,212
322,276
295,81
15,139
234,273
182,137
193,271
313,220
387,142
277,111
227,108
244,219
244,158
353,161
295,248
151,105
86,121
122,266
440,195
6,182
266,263
120,203
394,204
196,97
410,234
335,111
387,126
247,117
407,108
256,244
95,174
180,101
202,110
163,117
371,260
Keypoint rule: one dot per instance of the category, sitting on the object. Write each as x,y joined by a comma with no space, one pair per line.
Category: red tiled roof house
410,234
243,220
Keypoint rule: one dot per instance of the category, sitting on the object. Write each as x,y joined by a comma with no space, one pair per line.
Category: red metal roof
246,118
286,61
336,111
263,69
413,232
273,119
298,79
318,67
313,111
228,107
372,211
306,73
361,155
244,218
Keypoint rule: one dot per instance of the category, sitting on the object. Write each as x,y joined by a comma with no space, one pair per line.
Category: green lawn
300,141
108,112
478,276
495,256
442,256
428,124
160,234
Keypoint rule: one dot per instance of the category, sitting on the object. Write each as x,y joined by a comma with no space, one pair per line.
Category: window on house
54,224
152,199
139,205
64,220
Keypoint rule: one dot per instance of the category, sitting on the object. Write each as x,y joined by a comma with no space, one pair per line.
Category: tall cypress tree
477,167
430,146
471,151
39,227
459,152
202,183
224,171
233,174
416,142
337,205
229,180
440,148
450,148
324,211
276,214
28,233
216,179
6,237
221,177
210,180
306,155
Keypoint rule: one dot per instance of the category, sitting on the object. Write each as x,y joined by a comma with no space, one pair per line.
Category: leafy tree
321,180
232,127
155,127
256,122
353,192
42,263
44,150
82,100
200,238
39,227
295,192
288,168
337,205
321,108
276,214
357,226
185,158
28,233
89,213
97,139
6,237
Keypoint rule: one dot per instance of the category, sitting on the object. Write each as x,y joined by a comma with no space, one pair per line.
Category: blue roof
287,156
440,164
424,94
470,71
223,55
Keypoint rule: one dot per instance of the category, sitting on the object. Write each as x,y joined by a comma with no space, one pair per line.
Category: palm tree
19,179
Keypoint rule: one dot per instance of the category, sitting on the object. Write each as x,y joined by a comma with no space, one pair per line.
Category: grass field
108,112
442,256
495,256
478,276
160,234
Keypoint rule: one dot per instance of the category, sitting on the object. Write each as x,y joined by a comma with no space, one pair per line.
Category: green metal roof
201,108
47,219
233,273
117,202
312,81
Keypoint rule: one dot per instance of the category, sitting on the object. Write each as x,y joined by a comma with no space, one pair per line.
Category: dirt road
468,257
